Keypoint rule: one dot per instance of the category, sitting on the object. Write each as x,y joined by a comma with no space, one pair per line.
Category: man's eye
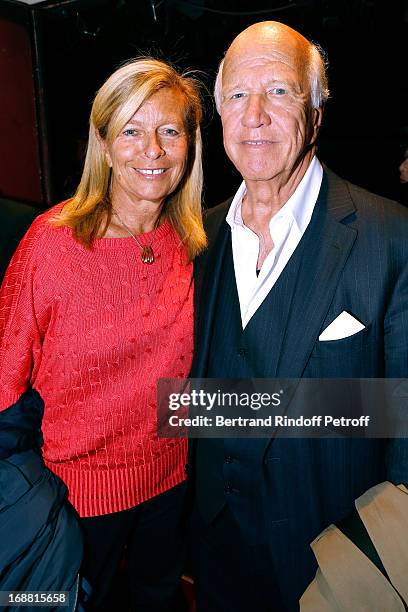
278,91
237,96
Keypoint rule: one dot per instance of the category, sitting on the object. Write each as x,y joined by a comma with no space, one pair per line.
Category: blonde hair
89,212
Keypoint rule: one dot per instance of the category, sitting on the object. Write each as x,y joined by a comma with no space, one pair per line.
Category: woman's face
148,158
403,169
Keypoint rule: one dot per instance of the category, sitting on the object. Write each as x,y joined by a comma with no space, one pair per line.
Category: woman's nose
153,146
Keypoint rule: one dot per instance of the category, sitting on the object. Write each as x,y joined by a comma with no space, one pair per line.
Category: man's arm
396,361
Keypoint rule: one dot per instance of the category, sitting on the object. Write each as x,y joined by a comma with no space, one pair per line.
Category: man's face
266,114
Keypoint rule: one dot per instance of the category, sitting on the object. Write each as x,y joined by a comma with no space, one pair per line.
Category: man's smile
257,142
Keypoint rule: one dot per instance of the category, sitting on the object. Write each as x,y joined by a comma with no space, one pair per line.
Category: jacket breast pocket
356,356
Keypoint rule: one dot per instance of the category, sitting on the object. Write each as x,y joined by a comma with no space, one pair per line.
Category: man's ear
317,116
104,147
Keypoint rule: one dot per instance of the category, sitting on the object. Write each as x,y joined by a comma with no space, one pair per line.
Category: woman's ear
104,147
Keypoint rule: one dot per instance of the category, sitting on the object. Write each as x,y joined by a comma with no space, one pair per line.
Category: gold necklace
147,255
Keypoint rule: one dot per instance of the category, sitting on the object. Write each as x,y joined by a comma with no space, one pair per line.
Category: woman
97,304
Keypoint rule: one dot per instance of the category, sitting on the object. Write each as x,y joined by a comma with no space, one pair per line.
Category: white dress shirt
286,227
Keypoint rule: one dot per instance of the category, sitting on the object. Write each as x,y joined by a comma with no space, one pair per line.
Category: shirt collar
298,208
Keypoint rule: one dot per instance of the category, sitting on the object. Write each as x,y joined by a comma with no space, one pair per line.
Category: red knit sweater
92,331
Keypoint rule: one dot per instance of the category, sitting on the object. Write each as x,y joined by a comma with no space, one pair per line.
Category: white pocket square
343,326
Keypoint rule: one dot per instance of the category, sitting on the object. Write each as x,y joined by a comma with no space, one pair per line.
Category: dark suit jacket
359,264
41,541
15,219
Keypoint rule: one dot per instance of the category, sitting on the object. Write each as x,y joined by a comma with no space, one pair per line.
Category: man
296,248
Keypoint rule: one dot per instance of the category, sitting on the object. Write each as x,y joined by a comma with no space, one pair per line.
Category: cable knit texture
92,331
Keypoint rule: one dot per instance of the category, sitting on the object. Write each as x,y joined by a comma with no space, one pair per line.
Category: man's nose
255,114
153,146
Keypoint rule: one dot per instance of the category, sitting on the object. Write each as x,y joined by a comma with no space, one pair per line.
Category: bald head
262,38
268,32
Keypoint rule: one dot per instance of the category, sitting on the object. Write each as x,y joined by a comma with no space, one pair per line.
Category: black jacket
41,543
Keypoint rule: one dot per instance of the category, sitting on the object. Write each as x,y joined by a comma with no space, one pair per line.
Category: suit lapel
328,243
326,250
206,286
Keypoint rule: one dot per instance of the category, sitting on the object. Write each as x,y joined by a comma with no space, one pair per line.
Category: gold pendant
147,255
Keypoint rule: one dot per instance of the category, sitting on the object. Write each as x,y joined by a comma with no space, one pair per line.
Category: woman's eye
130,132
170,132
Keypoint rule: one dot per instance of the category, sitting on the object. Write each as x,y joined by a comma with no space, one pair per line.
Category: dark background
78,43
